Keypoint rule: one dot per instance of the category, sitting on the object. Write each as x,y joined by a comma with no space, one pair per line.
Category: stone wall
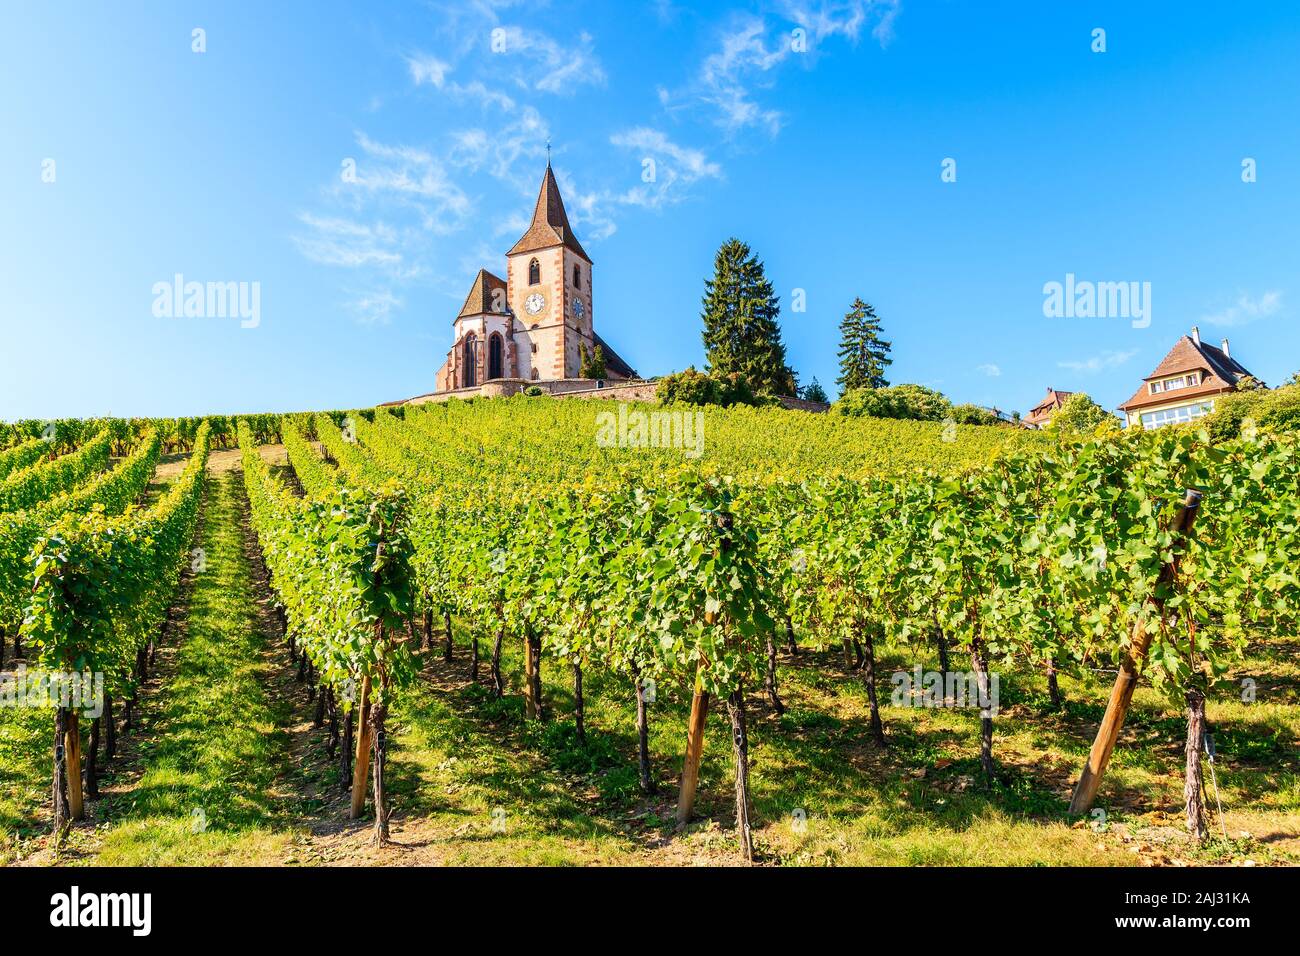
803,405
614,389
558,388
620,391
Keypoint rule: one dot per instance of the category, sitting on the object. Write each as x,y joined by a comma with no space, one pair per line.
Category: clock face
578,308
535,303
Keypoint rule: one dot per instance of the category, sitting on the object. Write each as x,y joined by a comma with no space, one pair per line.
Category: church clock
578,309
535,303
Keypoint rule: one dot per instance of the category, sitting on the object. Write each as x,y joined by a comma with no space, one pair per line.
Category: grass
213,757
26,762
472,782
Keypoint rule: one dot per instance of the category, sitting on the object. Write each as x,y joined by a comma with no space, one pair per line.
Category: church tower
530,326
549,281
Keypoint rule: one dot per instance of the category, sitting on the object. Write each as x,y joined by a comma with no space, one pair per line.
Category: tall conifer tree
863,353
741,334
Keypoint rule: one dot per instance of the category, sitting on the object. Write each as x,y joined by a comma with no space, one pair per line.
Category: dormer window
534,272
1170,384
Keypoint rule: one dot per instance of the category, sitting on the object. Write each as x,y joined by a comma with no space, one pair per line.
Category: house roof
1050,403
613,363
479,299
1223,372
550,226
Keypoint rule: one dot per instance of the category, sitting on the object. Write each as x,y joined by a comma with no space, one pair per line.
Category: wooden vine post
1121,695
694,751
72,751
532,674
361,763
61,821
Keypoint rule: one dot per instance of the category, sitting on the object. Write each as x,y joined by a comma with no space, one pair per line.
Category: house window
577,276
534,272
1169,385
534,348
1176,416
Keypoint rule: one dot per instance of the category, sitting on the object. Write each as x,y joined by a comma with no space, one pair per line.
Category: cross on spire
548,151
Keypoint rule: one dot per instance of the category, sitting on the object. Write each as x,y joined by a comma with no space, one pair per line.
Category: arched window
494,356
536,375
577,276
534,272
469,372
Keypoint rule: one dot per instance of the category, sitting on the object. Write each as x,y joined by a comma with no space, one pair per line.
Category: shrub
1080,414
915,402
1277,408
692,387
968,414
534,390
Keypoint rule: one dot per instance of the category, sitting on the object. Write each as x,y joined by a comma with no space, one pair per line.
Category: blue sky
227,166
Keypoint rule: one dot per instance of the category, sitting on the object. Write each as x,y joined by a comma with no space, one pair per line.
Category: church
534,325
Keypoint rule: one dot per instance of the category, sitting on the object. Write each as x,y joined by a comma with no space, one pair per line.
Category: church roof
550,225
479,299
613,363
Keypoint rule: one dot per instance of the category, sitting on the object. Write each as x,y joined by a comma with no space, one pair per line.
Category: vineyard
485,632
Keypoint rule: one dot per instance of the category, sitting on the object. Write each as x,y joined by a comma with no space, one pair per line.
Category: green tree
741,334
814,392
863,353
592,363
1080,413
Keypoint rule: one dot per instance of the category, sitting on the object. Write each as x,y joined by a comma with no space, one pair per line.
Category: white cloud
554,68
587,209
1100,362
524,138
427,69
512,225
431,71
476,90
846,18
751,50
414,177
375,308
674,166
481,255
469,148
1246,309
724,77
884,30
989,369
337,241
379,220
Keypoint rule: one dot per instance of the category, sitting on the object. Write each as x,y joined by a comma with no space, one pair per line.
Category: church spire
550,226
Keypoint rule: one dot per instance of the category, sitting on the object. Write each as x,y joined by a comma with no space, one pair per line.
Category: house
1183,387
1040,416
